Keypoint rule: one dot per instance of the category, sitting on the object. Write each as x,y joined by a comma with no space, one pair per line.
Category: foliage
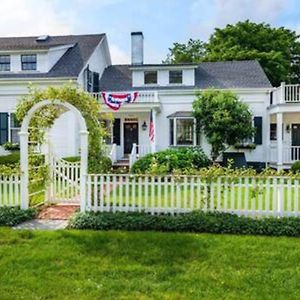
250,146
295,168
9,146
72,158
10,159
167,161
74,264
210,222
224,119
192,52
277,49
10,216
44,119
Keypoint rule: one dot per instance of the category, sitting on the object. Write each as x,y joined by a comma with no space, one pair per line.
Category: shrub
102,165
72,158
167,161
211,222
10,216
295,168
10,159
11,146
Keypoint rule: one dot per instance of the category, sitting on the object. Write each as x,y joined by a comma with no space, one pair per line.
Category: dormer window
28,62
150,77
4,62
175,77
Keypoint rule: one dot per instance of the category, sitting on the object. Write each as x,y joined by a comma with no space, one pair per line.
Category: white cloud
222,12
33,17
118,56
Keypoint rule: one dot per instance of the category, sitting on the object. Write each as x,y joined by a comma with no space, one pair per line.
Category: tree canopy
224,119
277,49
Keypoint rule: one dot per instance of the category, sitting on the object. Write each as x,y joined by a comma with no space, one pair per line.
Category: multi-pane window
175,77
150,77
273,132
14,129
183,132
4,62
28,62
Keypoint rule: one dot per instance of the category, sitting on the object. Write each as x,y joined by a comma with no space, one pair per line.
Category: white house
166,90
169,91
49,61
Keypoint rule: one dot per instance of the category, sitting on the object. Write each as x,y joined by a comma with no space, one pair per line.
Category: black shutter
95,82
271,98
117,132
171,132
3,128
258,132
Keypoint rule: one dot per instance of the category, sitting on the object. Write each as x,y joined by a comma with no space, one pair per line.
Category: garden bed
11,216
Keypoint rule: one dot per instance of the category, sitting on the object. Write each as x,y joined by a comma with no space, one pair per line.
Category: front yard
148,265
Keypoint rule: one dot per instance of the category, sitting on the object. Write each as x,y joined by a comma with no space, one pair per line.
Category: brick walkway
58,212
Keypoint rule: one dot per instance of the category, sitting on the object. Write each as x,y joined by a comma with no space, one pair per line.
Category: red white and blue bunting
115,101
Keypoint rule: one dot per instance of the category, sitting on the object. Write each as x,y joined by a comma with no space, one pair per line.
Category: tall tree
277,49
191,52
224,119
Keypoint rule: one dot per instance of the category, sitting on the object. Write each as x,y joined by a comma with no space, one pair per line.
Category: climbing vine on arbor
44,118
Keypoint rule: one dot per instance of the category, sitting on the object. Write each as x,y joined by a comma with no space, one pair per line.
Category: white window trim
175,131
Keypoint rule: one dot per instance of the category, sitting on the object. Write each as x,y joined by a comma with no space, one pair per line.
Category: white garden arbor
24,134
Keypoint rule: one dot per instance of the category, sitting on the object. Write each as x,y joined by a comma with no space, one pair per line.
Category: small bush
167,161
190,222
102,165
295,168
10,216
10,159
9,146
72,158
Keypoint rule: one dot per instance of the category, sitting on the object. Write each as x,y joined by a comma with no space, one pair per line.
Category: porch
129,132
284,126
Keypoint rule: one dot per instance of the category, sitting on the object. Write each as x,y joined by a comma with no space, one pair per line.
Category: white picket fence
9,190
252,196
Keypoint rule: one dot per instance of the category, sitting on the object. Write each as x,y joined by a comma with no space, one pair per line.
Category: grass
148,265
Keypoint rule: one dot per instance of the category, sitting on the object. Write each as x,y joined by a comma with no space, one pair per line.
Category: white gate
64,184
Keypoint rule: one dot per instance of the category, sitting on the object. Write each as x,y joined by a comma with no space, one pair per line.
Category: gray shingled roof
227,74
69,65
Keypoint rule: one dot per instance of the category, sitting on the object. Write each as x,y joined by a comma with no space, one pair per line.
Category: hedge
210,222
10,216
10,159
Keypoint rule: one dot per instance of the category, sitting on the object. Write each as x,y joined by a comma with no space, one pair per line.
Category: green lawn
148,265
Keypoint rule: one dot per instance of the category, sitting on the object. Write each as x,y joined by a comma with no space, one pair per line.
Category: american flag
151,128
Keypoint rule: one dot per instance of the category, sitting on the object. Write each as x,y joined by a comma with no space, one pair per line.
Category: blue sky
162,21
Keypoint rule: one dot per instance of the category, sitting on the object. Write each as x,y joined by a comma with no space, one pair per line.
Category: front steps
121,163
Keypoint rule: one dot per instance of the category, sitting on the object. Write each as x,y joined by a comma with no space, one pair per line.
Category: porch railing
290,154
143,96
286,93
137,152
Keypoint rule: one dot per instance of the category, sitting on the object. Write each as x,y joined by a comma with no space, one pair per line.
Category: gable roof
69,65
222,75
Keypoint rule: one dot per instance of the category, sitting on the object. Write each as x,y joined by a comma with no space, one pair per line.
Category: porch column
153,144
279,140
268,141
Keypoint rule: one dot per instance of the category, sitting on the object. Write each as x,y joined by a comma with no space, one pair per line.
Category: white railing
286,93
10,190
143,150
113,153
253,196
290,154
133,155
143,96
